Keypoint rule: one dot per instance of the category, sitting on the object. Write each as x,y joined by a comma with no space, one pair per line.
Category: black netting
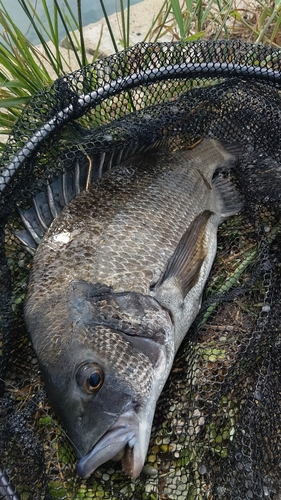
217,427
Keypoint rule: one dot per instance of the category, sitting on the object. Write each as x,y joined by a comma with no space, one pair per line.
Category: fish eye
90,377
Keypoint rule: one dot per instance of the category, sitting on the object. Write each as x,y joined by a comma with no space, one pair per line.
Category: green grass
24,68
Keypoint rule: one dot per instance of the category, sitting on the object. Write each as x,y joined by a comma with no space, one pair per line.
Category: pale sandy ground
141,17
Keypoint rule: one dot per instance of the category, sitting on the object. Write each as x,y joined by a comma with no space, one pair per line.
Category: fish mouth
124,440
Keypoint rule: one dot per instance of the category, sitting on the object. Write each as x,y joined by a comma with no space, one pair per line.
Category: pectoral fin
187,259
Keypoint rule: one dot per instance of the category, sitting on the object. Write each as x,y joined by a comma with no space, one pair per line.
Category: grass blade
176,8
108,26
80,24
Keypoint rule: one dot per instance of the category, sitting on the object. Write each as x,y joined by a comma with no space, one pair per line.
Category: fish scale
115,284
151,213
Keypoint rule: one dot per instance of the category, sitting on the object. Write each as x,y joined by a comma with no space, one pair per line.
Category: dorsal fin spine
51,201
40,215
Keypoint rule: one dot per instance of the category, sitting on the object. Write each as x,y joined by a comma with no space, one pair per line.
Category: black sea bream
116,282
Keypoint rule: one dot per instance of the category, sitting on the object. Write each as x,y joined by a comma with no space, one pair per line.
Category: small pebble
149,488
148,470
250,494
202,469
266,308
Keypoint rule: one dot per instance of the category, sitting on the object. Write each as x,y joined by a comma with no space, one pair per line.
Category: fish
116,282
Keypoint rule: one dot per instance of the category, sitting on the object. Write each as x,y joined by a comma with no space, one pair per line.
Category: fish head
99,408
106,380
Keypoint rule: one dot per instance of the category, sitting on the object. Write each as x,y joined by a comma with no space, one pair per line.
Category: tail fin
230,198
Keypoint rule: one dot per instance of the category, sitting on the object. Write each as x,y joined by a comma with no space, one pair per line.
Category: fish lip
122,435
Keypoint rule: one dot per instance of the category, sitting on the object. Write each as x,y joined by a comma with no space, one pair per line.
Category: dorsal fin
48,204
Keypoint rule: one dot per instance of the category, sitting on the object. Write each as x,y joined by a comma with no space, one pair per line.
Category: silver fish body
116,282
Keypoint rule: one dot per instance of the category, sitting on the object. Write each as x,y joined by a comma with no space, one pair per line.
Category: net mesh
217,428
